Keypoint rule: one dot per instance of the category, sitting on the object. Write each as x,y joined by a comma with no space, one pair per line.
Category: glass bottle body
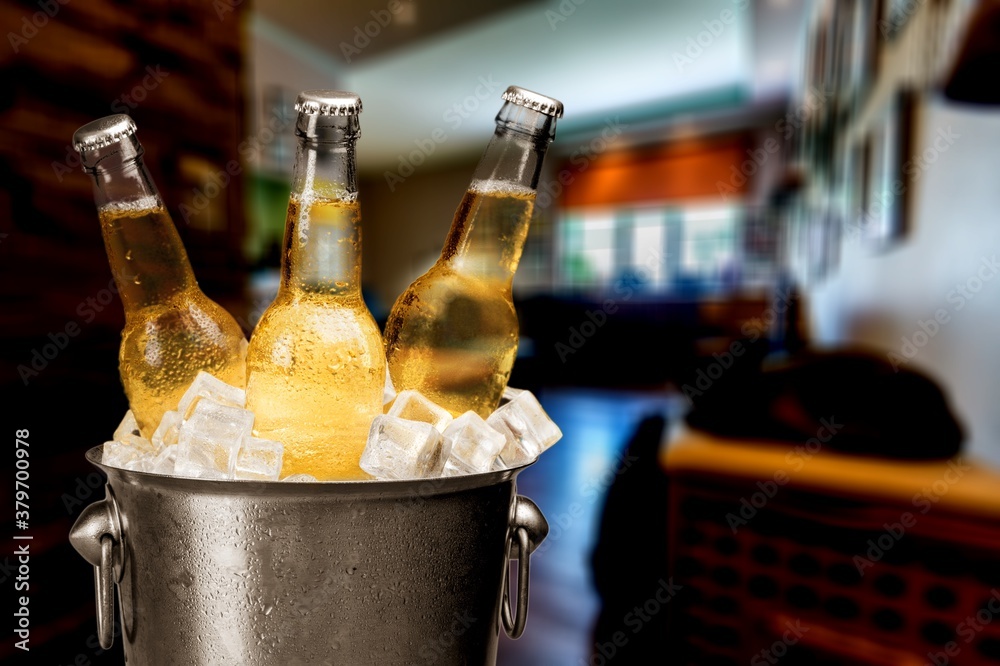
172,329
453,334
316,364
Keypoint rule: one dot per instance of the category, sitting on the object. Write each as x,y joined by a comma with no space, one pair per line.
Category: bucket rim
409,488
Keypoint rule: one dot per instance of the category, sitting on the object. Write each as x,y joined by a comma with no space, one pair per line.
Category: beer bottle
172,330
316,365
452,335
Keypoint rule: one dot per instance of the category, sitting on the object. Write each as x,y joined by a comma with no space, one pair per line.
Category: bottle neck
322,247
490,227
147,257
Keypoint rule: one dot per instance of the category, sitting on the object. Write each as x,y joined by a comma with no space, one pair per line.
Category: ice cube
140,444
451,468
166,432
128,426
527,428
126,452
209,440
413,406
402,449
509,393
258,460
116,454
164,461
389,392
207,386
301,478
141,464
474,444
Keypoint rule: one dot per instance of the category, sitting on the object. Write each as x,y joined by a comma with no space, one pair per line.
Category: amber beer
453,334
316,366
172,330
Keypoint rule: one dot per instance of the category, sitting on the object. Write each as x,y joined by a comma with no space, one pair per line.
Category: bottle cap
103,132
534,101
328,103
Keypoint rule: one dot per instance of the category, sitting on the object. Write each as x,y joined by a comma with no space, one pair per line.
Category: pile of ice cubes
208,436
417,439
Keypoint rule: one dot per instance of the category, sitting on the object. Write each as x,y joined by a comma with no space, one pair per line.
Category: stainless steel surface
104,585
97,536
534,101
529,516
514,626
231,572
103,131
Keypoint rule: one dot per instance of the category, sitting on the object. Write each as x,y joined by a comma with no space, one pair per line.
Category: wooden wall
177,68
685,169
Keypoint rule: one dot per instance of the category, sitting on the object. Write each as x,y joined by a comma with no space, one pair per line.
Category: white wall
277,58
877,299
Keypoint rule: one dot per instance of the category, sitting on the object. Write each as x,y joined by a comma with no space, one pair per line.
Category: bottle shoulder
319,318
191,311
444,284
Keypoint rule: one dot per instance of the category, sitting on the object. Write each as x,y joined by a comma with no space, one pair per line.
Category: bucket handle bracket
98,536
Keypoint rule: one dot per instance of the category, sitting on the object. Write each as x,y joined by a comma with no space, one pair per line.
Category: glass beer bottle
452,335
172,329
316,365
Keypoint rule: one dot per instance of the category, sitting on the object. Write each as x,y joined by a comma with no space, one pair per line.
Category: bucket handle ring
528,530
515,626
98,536
104,582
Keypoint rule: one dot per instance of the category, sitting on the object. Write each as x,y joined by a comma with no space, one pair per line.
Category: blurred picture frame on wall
888,180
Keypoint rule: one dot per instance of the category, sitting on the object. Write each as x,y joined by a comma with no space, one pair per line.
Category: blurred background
757,294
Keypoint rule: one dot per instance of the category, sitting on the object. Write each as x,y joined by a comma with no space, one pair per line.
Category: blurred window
708,242
656,248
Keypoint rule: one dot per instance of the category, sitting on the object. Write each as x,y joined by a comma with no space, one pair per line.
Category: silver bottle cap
103,132
534,101
328,103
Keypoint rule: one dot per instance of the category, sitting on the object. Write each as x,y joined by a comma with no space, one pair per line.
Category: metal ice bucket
253,573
